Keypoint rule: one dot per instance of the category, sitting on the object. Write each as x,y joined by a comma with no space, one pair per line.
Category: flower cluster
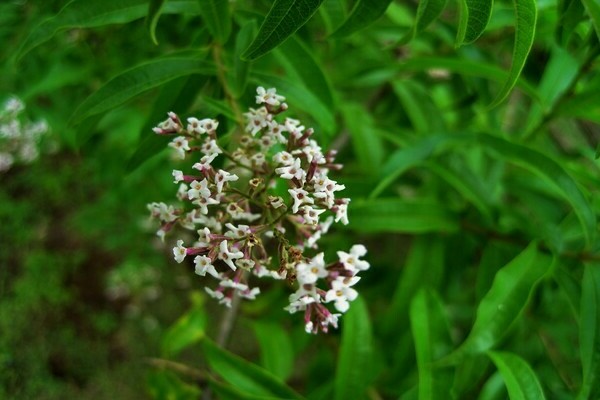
270,196
19,141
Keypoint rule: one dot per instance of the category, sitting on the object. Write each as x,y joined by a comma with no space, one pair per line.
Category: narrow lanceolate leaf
364,13
154,11
367,145
276,350
474,17
548,169
526,18
187,330
216,16
93,13
589,332
241,68
593,9
432,340
138,80
427,12
351,377
502,305
245,376
400,216
520,380
284,18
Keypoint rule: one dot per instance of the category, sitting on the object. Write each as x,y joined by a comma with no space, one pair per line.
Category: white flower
311,271
204,238
238,232
268,96
223,176
257,119
325,188
276,202
211,148
177,176
179,251
275,131
228,256
203,202
215,294
292,171
204,265
284,158
300,197
181,145
341,294
182,192
199,189
352,260
201,126
228,283
341,212
311,215
250,294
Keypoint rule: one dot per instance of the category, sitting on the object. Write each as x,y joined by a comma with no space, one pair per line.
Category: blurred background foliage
480,220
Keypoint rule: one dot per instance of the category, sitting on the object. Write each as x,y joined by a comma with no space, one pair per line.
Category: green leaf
402,160
241,67
504,302
364,13
284,18
354,360
526,18
368,147
427,12
416,101
400,216
300,61
178,95
570,14
424,267
217,18
138,80
474,18
593,9
589,332
167,385
431,334
570,287
154,11
552,172
187,330
245,376
520,380
276,351
94,13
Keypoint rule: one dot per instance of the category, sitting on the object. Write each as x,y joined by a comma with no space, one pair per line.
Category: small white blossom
199,189
300,196
177,176
204,265
223,176
352,260
181,145
341,295
179,251
310,271
311,214
268,96
292,171
211,148
228,256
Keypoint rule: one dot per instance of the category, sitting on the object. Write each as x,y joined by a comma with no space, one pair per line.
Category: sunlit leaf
431,334
520,379
94,13
277,353
551,171
244,376
589,332
284,18
526,18
364,13
216,16
351,377
154,11
400,216
504,302
593,9
137,80
474,17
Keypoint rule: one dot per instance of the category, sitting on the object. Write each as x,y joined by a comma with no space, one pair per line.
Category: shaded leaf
593,9
217,18
284,18
427,12
245,376
400,216
364,13
241,67
431,334
367,145
551,171
589,332
474,18
355,355
504,302
154,11
138,80
187,330
526,18
276,351
167,385
94,13
519,378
